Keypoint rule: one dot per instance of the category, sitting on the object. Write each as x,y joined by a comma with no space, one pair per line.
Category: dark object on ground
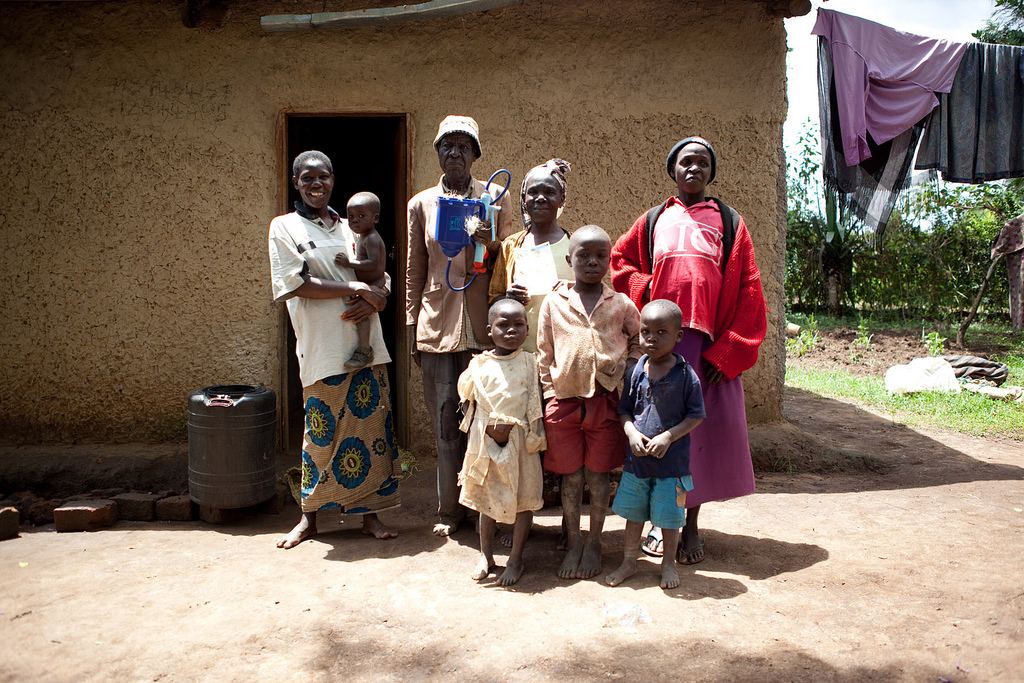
9,519
978,368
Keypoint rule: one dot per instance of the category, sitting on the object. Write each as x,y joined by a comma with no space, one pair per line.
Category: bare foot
563,541
625,570
306,528
590,565
483,569
571,563
372,526
669,576
511,574
507,538
444,529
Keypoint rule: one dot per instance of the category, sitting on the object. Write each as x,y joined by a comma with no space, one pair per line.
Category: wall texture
141,166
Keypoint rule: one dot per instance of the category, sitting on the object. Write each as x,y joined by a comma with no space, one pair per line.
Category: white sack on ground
921,374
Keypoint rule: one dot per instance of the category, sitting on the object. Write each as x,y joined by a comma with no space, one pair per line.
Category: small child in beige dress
501,477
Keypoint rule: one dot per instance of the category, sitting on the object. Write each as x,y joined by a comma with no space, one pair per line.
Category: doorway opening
368,153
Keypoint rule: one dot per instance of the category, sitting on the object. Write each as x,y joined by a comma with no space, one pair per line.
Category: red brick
174,509
42,512
23,500
274,506
136,507
213,515
85,515
9,519
108,493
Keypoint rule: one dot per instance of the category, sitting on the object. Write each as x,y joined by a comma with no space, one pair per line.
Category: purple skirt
719,450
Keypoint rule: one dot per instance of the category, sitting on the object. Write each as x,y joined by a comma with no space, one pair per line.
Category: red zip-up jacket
741,317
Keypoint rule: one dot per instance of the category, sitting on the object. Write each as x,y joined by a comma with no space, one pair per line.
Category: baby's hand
658,446
341,259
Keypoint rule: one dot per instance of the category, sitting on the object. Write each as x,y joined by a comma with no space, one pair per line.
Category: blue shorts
659,501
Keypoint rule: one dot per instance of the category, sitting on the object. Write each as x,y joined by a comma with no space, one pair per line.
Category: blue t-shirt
658,406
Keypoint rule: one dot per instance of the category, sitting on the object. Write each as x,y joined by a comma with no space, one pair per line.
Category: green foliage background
935,255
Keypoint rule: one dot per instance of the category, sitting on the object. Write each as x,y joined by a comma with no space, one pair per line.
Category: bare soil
836,350
890,555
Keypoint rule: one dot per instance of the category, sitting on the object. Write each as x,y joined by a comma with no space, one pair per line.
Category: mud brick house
146,147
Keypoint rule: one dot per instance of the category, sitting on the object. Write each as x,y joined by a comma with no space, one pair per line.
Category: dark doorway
368,153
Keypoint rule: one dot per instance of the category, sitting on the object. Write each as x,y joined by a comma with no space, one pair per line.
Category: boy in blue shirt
661,404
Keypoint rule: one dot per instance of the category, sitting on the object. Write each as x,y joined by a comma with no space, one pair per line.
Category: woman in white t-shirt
349,456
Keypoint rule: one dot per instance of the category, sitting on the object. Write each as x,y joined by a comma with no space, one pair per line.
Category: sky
949,19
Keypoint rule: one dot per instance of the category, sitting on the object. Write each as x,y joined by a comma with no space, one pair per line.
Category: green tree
1006,24
820,241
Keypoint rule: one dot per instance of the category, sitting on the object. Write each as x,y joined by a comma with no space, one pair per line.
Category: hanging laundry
977,131
885,79
1010,243
867,190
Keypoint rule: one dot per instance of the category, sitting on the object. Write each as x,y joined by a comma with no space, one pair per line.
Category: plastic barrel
231,444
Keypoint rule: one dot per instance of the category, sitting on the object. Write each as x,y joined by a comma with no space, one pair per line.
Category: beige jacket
430,304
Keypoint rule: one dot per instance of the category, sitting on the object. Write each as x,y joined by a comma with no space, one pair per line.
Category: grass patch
964,412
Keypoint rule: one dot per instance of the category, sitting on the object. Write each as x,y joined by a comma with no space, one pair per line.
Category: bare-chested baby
501,477
369,263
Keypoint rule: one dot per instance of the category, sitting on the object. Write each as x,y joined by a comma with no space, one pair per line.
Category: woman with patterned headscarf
530,262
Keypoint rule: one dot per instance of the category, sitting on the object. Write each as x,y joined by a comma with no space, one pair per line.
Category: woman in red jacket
696,251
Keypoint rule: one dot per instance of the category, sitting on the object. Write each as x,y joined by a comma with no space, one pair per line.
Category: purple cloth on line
719,450
885,79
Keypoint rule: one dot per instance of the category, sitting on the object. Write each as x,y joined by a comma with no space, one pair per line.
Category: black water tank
231,445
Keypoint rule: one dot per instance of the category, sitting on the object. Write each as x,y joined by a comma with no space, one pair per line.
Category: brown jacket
430,304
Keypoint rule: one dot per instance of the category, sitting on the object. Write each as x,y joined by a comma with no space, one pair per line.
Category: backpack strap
730,219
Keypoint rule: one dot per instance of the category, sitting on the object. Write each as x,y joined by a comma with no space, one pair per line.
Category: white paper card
535,268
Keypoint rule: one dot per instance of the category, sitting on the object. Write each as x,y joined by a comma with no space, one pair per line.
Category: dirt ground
835,350
906,569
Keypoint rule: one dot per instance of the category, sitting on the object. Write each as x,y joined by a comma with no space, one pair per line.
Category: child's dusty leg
572,501
520,532
669,574
486,564
306,528
600,493
691,537
629,551
363,355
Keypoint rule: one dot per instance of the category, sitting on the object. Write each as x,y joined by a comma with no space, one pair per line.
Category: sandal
361,357
653,544
695,556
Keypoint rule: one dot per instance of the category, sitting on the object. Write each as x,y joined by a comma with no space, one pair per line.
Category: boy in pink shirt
587,338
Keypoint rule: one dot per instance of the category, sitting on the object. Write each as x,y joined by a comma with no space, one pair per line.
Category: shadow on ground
851,449
677,656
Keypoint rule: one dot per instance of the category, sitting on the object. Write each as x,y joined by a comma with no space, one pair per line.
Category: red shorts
584,432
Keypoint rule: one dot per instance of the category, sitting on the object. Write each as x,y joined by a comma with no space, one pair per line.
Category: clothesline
883,92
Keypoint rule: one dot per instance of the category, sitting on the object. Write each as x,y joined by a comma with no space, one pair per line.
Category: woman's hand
358,310
711,373
375,296
519,293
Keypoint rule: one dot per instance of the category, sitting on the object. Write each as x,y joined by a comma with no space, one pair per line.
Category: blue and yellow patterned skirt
349,455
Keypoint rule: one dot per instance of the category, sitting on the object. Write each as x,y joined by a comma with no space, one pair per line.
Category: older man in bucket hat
449,326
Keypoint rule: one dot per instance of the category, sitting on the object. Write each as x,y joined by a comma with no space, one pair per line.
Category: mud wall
141,165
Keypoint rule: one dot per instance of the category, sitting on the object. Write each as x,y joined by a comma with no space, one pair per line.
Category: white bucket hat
459,124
